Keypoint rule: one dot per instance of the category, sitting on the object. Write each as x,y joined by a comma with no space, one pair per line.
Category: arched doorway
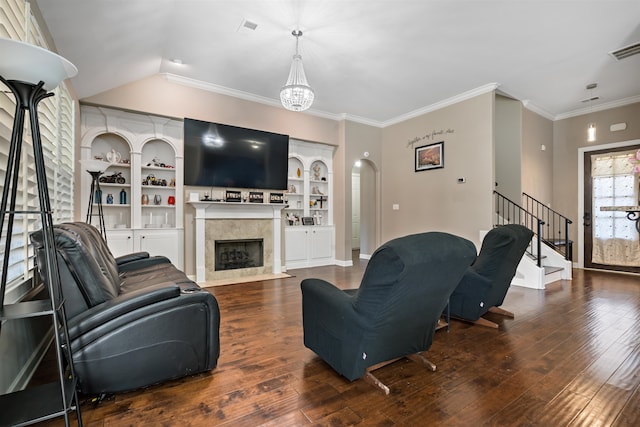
364,209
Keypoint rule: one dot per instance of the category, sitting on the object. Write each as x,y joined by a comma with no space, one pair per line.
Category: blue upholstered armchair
395,310
485,284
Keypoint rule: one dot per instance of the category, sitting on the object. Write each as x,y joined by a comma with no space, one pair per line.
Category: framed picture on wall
430,156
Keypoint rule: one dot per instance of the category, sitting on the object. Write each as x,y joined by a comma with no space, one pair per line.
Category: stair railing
556,232
509,212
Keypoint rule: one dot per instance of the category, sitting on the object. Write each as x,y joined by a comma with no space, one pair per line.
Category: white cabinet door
296,245
308,246
162,242
321,243
120,242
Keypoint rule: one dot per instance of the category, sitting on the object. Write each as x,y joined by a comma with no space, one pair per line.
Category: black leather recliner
485,284
133,321
394,312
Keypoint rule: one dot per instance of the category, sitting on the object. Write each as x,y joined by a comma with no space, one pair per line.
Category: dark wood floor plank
569,357
630,414
612,397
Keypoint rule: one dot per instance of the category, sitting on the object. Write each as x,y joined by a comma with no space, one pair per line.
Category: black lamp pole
23,61
95,189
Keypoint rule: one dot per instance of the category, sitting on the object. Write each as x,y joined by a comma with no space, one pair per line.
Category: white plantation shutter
62,202
13,19
56,118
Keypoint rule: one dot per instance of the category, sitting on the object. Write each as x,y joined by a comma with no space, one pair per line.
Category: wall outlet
395,207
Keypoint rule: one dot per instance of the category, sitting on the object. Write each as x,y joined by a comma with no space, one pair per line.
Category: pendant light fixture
296,95
591,130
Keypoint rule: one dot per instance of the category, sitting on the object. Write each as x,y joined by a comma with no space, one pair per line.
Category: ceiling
373,60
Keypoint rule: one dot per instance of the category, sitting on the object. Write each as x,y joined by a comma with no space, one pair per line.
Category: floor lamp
30,72
95,169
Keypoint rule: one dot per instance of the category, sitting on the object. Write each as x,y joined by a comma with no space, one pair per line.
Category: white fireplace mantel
236,210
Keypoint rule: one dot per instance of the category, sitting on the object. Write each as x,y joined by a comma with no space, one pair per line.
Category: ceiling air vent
247,26
627,51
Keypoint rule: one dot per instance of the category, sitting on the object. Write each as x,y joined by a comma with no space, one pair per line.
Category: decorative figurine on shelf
292,218
172,182
149,180
316,172
113,156
109,199
115,178
317,217
292,189
156,162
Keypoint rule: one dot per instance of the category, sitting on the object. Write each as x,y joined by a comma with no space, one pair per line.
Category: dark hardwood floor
571,357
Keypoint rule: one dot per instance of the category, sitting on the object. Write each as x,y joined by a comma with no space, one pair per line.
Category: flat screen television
218,155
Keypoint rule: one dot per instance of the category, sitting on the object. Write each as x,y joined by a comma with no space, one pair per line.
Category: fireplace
237,221
238,253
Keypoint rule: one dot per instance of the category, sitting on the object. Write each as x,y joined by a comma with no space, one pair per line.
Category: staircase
548,258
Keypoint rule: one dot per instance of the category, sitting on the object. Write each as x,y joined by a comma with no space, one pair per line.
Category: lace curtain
615,239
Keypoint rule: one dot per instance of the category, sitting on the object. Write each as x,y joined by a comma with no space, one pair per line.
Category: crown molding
361,120
537,109
222,90
444,103
600,107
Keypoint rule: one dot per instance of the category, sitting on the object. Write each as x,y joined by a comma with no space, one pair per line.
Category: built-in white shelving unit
309,200
146,151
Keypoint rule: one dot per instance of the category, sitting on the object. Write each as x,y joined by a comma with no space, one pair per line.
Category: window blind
56,118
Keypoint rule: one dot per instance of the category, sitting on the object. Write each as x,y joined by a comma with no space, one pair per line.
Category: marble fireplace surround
222,221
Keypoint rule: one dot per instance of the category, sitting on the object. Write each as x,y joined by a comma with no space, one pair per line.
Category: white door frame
581,152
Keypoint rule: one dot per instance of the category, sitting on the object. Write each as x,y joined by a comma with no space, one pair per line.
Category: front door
611,240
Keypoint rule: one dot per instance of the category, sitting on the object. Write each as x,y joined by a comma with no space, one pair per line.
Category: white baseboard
344,263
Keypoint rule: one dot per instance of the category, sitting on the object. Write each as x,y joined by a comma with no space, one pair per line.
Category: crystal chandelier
296,95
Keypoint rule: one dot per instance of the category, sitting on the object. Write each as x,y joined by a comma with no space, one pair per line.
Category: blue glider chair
394,312
485,284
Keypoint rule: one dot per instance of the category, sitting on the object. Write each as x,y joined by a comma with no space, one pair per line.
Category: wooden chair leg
374,381
419,358
484,322
502,311
371,379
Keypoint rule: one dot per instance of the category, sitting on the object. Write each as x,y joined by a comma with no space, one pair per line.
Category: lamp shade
32,64
94,165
